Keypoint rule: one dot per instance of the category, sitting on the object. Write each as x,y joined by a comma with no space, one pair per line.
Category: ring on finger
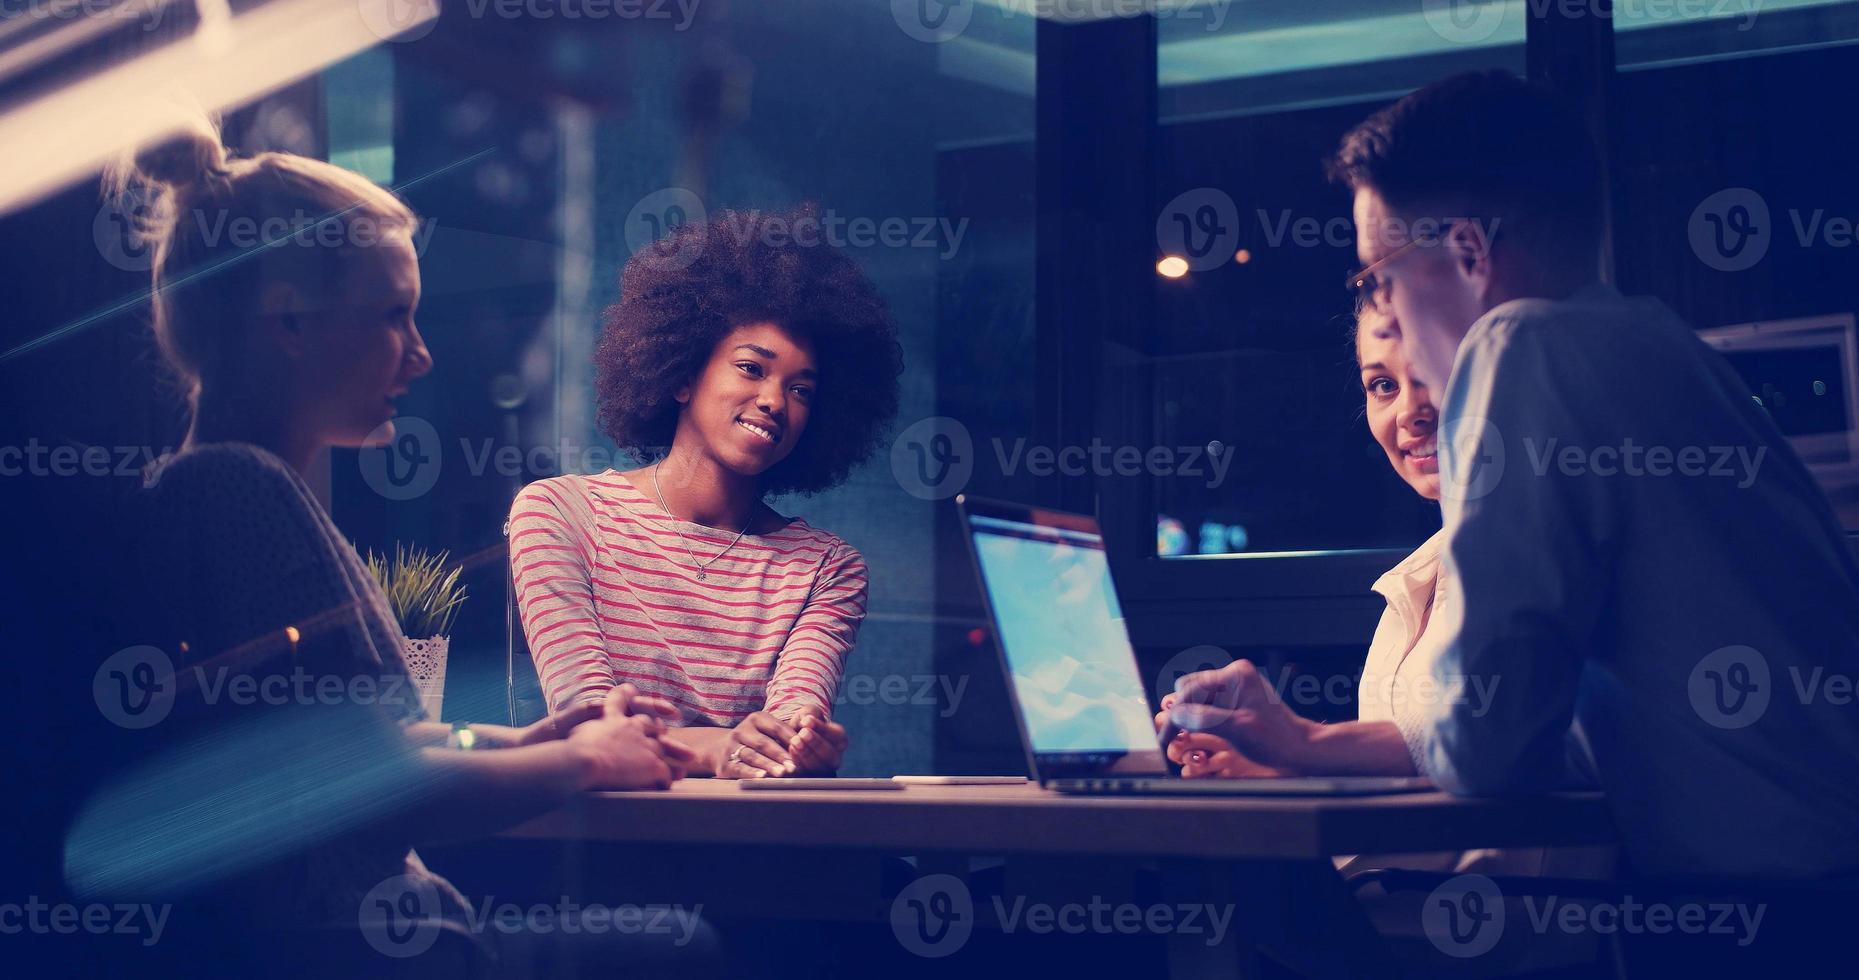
1197,756
736,754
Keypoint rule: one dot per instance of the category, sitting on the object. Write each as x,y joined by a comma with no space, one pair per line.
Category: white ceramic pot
426,662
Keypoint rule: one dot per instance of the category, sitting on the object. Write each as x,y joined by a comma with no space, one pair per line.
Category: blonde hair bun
185,160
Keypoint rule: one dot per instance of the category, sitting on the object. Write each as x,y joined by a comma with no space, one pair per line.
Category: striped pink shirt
608,594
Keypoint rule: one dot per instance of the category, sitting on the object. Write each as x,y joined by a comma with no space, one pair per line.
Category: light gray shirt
1640,551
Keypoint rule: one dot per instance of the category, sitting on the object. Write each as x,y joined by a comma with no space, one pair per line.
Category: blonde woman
287,811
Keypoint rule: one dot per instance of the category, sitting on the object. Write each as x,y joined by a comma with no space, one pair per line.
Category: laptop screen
1072,670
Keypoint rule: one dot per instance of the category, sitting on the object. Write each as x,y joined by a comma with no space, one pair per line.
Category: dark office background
531,147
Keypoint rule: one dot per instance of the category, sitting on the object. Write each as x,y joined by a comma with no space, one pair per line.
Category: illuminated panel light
229,61
1172,267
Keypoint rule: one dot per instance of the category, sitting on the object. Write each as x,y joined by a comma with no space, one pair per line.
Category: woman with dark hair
740,362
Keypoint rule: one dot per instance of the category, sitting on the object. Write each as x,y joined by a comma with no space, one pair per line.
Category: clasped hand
763,745
1231,724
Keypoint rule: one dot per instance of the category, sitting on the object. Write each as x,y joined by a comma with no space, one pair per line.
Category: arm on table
794,734
549,562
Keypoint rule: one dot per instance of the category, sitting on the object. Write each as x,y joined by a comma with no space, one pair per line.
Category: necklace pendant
700,575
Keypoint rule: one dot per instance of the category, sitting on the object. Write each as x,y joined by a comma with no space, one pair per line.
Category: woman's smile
766,433
1422,454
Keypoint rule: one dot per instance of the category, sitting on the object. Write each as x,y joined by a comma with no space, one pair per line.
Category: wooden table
1030,820
1268,858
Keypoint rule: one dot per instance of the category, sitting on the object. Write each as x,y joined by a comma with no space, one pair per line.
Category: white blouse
1398,685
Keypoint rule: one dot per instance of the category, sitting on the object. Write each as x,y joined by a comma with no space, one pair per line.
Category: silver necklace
702,566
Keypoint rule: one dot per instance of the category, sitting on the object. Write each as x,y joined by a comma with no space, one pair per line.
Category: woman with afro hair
745,359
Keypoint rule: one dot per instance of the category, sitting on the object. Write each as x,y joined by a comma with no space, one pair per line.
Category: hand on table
820,744
627,744
1204,756
764,745
561,723
1236,705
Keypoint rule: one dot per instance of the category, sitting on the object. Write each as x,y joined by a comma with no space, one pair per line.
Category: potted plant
425,597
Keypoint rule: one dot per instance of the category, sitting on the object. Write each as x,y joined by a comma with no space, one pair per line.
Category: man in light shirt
1643,557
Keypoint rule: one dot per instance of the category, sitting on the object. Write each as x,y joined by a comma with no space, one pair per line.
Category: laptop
1077,691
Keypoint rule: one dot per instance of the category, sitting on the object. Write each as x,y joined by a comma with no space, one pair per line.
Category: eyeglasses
1372,291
